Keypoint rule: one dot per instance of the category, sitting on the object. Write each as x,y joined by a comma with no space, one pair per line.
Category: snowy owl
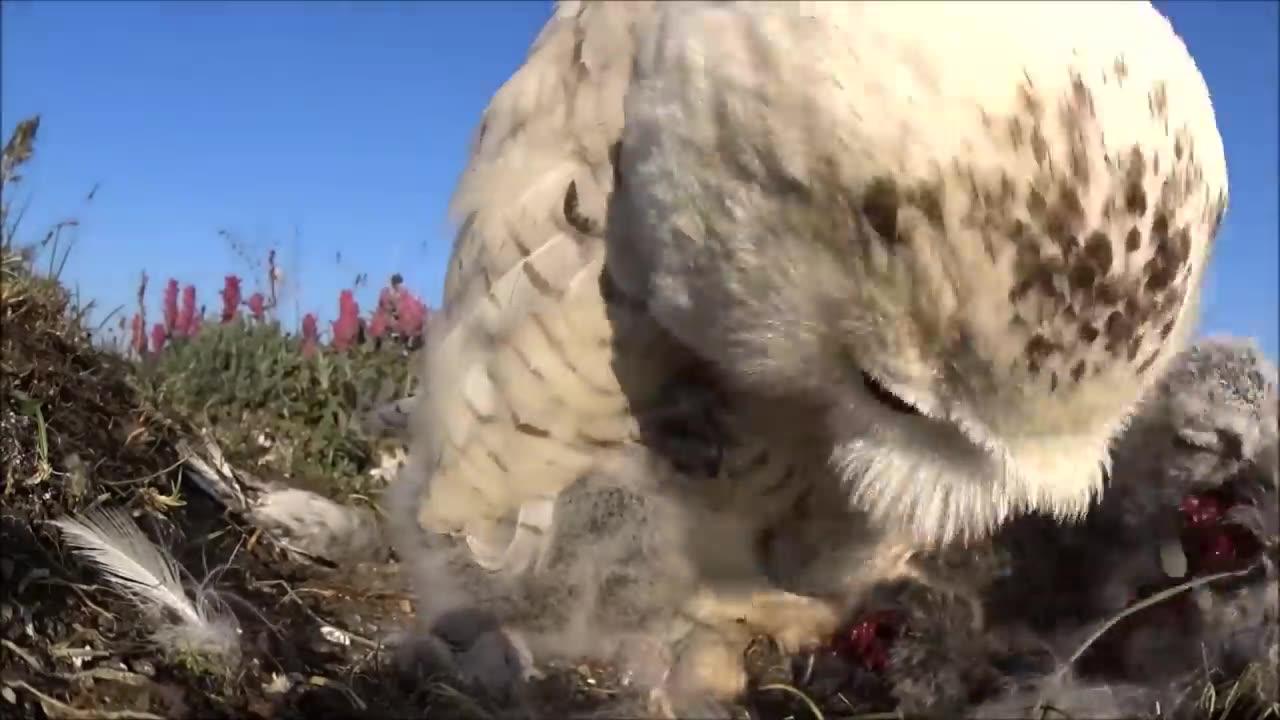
844,280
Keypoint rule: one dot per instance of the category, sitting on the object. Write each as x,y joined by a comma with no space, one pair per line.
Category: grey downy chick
1209,432
1212,417
1193,491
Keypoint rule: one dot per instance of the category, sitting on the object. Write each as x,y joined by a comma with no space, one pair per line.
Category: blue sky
334,132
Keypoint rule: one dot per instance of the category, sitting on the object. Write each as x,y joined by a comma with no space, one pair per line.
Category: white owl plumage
926,257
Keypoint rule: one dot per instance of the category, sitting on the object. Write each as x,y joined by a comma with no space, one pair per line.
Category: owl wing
520,395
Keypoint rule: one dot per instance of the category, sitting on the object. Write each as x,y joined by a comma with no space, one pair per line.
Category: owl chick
1206,429
929,255
1064,580
1197,474
1203,437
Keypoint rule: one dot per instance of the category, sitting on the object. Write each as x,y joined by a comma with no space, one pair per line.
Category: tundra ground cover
84,426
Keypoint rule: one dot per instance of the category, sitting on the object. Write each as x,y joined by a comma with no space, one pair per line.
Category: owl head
971,234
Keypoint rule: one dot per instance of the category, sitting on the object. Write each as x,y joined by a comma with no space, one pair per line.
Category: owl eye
886,397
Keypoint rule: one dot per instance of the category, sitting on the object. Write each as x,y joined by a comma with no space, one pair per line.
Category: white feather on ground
147,576
308,526
319,527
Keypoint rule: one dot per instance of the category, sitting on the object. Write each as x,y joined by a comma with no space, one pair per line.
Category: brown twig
27,657
1154,599
58,709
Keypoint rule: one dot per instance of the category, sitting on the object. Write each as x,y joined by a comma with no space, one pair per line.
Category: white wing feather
148,577
520,398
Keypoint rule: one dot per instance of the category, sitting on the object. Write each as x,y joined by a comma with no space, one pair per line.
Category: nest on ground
76,433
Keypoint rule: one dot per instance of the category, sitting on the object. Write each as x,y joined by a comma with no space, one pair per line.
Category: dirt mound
75,434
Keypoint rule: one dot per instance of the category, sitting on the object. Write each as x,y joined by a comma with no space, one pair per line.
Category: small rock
1173,560
77,475
334,635
278,685
143,667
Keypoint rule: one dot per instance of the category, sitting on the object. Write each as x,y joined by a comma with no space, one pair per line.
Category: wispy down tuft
147,576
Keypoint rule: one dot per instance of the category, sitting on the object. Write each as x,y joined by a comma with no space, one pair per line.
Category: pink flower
310,334
170,309
411,314
138,336
196,323
378,323
257,306
230,298
387,299
186,323
346,329
158,336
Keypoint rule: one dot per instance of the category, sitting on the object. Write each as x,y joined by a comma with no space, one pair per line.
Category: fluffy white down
756,135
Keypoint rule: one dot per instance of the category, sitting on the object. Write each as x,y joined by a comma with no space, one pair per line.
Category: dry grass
74,433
